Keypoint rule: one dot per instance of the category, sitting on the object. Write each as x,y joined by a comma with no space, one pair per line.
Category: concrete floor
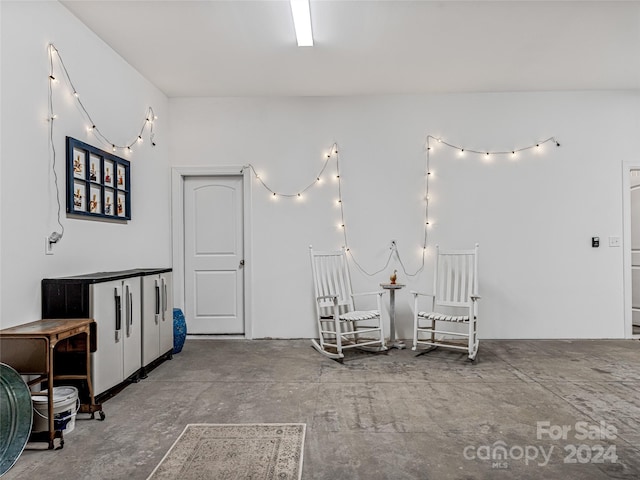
393,416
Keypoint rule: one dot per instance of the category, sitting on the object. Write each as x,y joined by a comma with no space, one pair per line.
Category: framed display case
98,182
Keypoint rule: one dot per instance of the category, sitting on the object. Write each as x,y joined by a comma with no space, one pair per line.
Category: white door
635,250
213,250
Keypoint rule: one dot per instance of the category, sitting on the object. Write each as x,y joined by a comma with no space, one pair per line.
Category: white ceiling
248,48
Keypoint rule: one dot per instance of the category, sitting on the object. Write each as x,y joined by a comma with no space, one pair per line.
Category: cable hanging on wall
393,248
54,237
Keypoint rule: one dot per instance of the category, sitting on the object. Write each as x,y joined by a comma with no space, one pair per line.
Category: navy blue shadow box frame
98,182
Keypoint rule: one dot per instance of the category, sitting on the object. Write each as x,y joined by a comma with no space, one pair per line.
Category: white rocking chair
454,301
340,325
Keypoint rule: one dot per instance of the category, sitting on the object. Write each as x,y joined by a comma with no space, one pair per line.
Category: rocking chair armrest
415,294
378,292
326,297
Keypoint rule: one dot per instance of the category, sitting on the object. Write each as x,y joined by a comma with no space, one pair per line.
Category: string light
488,153
429,175
299,193
150,115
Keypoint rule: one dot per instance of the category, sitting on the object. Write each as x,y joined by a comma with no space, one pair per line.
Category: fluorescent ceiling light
302,22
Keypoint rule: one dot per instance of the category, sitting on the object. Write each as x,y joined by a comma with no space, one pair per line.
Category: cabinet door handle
157,301
118,314
131,310
164,299
126,302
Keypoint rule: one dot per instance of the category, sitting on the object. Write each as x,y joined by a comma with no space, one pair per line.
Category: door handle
242,263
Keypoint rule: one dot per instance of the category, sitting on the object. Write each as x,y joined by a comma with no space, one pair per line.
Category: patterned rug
264,451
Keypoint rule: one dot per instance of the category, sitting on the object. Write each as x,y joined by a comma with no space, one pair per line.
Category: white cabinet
157,316
115,306
117,301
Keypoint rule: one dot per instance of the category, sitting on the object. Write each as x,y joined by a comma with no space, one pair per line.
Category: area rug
256,451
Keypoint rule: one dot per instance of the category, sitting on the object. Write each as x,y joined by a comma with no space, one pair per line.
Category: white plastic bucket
65,407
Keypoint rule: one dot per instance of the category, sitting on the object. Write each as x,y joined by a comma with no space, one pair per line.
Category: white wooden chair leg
415,323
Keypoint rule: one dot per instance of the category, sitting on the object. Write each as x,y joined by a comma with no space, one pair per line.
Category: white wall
534,217
117,97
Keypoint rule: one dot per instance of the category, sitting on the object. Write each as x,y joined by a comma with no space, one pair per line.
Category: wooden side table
30,348
392,287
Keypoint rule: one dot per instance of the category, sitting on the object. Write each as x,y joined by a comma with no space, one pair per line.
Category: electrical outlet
614,241
48,246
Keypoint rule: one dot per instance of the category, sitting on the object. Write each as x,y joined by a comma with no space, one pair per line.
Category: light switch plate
614,241
48,246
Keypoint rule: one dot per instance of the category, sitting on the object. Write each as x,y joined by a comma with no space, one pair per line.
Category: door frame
178,175
627,166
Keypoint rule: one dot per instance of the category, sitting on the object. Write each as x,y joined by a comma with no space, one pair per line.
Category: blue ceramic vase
179,330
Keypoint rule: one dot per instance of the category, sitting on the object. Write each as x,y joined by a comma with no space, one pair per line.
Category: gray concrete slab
532,409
